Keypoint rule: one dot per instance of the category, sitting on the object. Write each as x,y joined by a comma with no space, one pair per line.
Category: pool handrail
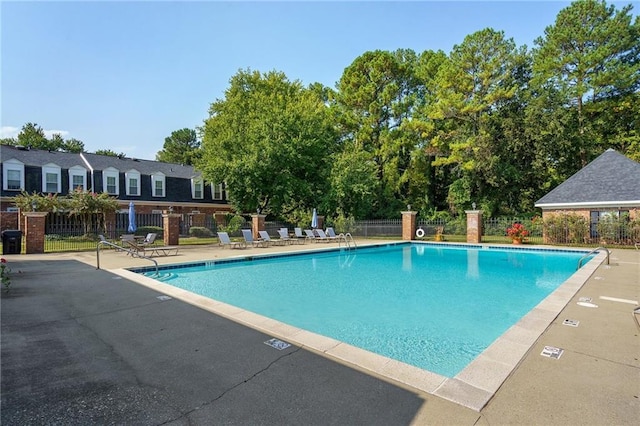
591,252
117,247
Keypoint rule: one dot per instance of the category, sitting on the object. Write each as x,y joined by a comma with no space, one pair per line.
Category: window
157,184
51,178
77,178
110,178
13,176
196,189
132,178
216,191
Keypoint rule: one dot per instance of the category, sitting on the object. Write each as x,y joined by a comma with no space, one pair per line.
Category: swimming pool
435,307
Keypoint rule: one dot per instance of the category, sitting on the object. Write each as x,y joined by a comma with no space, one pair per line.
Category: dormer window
13,176
158,184
77,178
51,178
216,191
110,181
197,189
132,178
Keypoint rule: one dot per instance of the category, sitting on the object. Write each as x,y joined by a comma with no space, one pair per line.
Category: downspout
91,169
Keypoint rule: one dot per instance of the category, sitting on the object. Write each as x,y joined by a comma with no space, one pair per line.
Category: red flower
3,260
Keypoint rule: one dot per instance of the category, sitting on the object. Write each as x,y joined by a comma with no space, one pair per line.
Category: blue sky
124,75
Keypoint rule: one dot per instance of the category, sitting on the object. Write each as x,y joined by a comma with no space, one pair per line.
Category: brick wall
8,220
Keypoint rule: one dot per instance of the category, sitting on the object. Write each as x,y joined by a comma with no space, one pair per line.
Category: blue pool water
429,306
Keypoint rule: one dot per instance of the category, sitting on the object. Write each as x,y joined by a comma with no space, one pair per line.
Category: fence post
408,225
474,226
34,224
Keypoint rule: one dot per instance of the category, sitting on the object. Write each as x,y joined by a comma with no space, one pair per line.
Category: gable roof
611,180
38,158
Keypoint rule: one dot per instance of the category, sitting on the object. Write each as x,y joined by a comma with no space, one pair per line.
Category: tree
270,140
471,86
72,145
110,153
589,55
182,147
376,94
31,135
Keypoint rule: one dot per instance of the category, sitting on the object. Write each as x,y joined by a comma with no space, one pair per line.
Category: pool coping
473,387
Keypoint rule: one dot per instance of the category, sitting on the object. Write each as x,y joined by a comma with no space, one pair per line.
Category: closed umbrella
132,218
314,219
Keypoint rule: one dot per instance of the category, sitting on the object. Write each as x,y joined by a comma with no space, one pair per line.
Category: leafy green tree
353,183
31,135
376,94
270,140
182,147
590,54
110,153
9,141
474,83
72,145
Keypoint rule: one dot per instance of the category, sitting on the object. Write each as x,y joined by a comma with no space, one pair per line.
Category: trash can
11,241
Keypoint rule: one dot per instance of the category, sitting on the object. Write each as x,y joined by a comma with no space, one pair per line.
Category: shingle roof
36,157
611,179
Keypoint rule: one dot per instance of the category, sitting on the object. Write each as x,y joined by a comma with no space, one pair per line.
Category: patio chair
149,239
284,235
265,237
225,241
248,239
299,235
310,235
322,236
332,234
150,251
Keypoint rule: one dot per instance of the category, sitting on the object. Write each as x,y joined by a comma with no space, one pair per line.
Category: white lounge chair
225,241
284,235
332,234
248,238
265,237
322,236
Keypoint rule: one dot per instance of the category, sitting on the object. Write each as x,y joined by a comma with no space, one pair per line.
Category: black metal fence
64,232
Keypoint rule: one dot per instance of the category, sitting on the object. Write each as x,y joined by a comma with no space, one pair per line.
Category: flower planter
516,241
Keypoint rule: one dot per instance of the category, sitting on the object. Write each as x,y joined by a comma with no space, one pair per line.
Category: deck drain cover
585,299
278,344
552,352
117,278
164,297
571,322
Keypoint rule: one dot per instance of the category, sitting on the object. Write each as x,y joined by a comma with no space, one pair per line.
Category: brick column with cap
257,224
474,226
34,227
171,228
408,225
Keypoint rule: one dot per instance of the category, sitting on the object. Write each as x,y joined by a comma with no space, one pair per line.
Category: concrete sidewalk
82,346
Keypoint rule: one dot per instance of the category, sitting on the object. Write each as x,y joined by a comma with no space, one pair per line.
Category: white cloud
9,132
12,132
49,133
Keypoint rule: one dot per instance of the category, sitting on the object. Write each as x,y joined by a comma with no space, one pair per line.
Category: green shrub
566,229
144,230
200,232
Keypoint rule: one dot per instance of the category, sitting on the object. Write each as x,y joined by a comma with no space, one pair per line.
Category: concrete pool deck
84,345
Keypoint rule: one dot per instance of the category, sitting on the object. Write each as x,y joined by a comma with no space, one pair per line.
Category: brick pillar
257,224
110,225
33,232
197,219
408,225
474,226
220,218
171,228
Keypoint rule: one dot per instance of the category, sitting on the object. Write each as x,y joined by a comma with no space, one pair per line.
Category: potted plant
439,233
517,232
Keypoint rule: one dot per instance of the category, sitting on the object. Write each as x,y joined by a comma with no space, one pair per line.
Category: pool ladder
348,240
591,252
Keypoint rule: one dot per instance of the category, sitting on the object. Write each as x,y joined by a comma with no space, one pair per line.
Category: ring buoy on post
419,232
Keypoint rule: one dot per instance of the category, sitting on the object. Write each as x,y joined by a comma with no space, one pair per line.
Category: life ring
420,233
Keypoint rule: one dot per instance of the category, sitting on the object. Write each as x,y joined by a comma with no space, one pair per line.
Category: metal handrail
131,252
591,252
346,240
